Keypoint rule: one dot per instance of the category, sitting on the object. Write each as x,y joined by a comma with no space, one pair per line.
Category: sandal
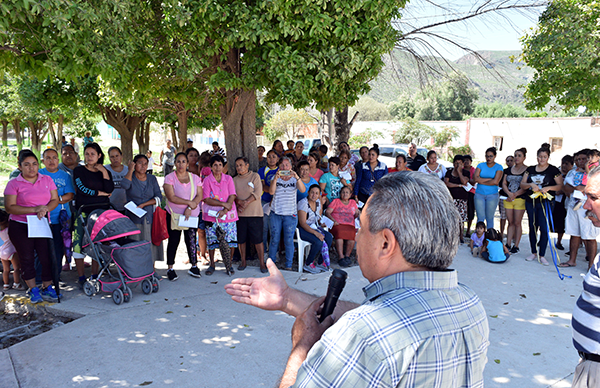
6,287
18,287
210,271
565,265
241,267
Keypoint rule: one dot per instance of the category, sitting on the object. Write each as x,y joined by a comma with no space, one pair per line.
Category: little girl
477,239
493,250
8,254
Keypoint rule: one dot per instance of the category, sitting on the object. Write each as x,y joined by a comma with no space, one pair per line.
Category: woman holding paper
141,190
347,168
311,230
344,212
31,194
219,210
184,193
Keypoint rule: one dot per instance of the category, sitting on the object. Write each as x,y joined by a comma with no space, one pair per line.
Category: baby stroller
122,261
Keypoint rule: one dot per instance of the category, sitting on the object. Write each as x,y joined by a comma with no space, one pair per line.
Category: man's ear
388,244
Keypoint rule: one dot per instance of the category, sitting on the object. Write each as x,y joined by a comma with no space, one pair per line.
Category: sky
494,31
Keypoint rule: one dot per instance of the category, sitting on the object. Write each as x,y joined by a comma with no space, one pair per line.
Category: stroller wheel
127,294
96,286
155,284
117,296
147,286
88,288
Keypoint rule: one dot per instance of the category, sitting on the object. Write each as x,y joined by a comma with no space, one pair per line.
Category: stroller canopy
107,225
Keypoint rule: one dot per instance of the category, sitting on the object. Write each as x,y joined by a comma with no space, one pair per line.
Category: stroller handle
94,206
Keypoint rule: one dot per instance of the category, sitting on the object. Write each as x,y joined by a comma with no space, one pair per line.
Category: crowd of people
313,196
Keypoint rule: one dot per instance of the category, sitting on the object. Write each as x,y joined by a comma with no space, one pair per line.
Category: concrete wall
576,133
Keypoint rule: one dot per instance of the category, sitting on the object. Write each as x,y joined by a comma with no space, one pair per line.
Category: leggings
189,237
27,248
537,220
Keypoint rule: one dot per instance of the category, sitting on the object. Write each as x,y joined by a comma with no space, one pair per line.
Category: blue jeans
288,223
266,227
316,244
537,220
485,206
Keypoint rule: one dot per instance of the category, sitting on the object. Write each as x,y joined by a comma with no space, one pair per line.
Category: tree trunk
174,136
142,136
328,127
17,127
56,134
126,125
239,124
55,142
37,132
4,133
342,127
182,124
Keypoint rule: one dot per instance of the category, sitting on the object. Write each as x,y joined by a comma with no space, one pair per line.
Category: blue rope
550,221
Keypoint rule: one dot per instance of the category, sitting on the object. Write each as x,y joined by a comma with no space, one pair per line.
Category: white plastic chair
302,245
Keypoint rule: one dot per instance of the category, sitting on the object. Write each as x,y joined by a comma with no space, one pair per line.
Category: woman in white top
309,219
432,166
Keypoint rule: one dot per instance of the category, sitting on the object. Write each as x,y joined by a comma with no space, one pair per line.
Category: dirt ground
16,327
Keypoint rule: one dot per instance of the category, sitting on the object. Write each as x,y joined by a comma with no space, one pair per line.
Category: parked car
310,143
389,152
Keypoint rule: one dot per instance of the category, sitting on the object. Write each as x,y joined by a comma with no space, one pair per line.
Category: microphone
337,281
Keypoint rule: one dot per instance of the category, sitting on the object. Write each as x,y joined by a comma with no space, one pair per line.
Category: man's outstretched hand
268,293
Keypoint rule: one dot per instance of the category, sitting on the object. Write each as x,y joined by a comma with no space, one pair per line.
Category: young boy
477,239
324,159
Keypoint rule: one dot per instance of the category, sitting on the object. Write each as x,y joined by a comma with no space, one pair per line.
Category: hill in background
498,80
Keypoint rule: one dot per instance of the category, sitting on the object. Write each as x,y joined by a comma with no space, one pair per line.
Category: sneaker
172,275
49,294
514,250
66,267
324,268
531,257
34,295
345,262
194,271
560,246
81,282
544,261
311,269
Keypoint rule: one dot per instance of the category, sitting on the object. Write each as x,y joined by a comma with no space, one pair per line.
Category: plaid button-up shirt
415,329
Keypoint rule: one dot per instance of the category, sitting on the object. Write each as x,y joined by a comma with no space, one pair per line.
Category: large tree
563,50
216,54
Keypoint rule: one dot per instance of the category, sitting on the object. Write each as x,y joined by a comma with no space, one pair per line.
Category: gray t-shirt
284,200
169,155
118,197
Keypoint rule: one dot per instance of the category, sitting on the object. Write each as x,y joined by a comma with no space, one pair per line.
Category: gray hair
420,212
288,159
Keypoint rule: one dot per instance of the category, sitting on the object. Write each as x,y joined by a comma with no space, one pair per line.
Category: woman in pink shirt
219,198
343,211
31,194
184,193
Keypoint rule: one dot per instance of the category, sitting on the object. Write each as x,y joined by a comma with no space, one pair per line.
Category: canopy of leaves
412,131
298,51
563,50
286,124
369,110
452,99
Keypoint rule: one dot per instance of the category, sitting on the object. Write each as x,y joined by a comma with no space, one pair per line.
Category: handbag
174,216
160,231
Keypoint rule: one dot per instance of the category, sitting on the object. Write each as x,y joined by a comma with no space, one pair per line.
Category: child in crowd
151,163
493,250
593,161
8,254
477,239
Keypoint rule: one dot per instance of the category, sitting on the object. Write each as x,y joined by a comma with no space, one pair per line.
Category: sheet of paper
191,222
502,197
267,209
346,175
328,222
357,223
361,204
214,213
132,207
468,187
37,228
578,195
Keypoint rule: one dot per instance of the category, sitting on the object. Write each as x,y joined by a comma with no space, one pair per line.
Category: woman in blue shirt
487,176
369,173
